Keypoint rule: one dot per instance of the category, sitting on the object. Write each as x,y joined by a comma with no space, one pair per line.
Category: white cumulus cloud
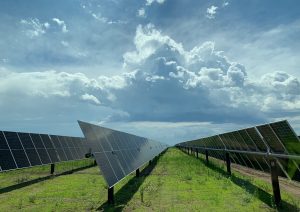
149,2
90,98
61,23
142,12
211,12
165,82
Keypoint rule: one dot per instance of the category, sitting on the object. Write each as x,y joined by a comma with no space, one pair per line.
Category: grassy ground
24,175
177,182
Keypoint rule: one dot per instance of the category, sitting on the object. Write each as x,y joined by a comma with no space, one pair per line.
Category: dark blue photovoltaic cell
26,140
63,142
115,165
37,141
61,154
106,168
6,160
69,142
122,160
44,156
33,157
3,144
70,149
47,142
53,155
56,142
20,158
14,142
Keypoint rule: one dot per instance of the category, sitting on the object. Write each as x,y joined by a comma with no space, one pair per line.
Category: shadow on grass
41,179
124,195
251,188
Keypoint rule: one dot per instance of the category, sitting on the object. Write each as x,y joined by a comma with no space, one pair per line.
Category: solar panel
247,139
22,150
287,136
271,139
252,133
253,147
118,153
40,148
17,149
30,149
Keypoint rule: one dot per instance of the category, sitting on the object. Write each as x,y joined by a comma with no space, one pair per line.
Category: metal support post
206,156
197,153
275,181
110,196
137,173
52,168
228,163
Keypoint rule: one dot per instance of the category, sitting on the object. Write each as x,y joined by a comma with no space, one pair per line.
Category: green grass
24,175
178,182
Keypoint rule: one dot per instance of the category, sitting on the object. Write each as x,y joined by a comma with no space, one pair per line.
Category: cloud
165,82
61,23
49,84
141,12
99,17
225,4
90,98
149,2
34,27
201,84
105,20
211,12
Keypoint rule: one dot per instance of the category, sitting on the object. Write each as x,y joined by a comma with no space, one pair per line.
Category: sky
170,70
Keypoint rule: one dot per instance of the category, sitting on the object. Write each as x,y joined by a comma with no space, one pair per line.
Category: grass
175,182
24,175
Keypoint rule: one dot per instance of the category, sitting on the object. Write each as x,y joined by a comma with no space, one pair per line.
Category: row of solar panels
21,150
275,139
118,153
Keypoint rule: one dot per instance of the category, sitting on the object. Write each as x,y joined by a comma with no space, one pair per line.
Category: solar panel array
118,153
22,150
252,147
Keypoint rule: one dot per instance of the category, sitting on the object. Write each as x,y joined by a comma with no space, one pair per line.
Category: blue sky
170,70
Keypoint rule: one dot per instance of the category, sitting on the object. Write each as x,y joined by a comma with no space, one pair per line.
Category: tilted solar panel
119,153
287,136
253,147
22,150
271,139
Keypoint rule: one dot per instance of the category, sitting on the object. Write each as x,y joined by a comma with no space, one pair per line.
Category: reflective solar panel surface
253,147
119,153
21,150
